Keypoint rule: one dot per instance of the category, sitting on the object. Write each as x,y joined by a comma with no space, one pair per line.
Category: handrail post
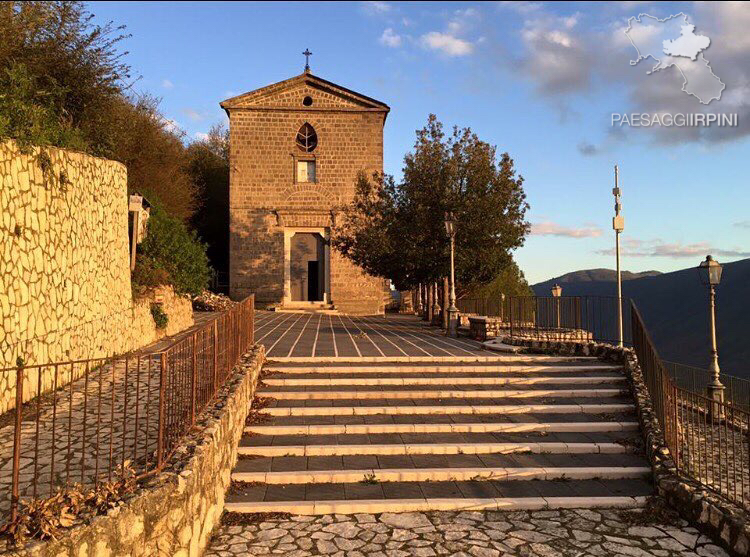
162,409
193,386
17,441
252,319
216,356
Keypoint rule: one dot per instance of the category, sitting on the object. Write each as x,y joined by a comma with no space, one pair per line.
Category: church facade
296,148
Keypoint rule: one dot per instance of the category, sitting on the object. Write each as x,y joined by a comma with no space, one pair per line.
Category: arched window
307,139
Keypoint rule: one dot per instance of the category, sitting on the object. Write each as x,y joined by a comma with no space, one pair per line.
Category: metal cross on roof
307,54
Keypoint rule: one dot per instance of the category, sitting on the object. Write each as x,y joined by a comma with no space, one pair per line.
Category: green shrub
160,318
171,254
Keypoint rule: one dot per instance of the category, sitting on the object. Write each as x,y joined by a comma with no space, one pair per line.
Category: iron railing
697,380
566,318
490,307
708,440
89,419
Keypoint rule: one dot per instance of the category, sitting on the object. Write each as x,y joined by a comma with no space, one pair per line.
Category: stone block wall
483,328
65,290
175,513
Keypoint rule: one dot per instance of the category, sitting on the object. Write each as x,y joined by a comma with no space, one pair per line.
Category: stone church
295,150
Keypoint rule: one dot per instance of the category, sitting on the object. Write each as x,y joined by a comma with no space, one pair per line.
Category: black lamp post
450,229
710,275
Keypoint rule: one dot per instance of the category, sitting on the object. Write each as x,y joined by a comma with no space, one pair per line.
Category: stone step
456,393
440,380
469,427
497,358
422,419
506,367
377,506
529,408
386,462
377,497
443,474
432,448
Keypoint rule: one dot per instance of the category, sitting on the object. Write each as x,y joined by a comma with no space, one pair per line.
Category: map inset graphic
673,42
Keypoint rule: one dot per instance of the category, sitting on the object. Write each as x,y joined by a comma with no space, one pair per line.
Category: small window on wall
305,171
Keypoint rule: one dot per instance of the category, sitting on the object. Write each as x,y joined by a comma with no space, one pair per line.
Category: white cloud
390,38
742,224
200,136
194,115
375,8
447,44
549,228
167,84
634,247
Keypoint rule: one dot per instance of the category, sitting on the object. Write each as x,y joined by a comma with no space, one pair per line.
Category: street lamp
556,293
450,229
618,225
710,275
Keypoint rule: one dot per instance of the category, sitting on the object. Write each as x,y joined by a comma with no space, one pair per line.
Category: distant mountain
595,275
675,309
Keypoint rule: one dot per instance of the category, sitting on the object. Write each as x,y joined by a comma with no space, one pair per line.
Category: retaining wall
65,290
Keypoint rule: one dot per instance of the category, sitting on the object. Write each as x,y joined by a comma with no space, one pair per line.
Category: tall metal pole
618,224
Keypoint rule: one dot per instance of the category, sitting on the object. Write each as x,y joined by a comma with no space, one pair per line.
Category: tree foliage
64,82
397,231
208,167
171,254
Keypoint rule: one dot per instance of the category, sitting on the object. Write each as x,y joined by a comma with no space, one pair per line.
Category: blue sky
538,80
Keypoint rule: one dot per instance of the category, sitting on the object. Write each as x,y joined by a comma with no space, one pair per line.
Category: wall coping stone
723,521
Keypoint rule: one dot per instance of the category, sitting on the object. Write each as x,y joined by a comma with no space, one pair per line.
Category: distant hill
675,308
595,275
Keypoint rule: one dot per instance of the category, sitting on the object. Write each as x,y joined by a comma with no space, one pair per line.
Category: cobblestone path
553,533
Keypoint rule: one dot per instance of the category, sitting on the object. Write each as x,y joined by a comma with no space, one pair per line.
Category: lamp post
556,293
710,274
450,229
618,224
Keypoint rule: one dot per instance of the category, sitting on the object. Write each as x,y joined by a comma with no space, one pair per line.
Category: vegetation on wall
161,319
397,231
171,254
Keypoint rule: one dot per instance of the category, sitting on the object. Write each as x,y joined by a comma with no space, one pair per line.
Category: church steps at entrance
506,432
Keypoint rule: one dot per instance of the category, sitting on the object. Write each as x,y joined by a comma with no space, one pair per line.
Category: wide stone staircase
509,433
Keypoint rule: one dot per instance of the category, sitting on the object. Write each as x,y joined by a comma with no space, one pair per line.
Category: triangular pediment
290,94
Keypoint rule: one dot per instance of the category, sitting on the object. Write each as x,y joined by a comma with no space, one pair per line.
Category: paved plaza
553,533
310,335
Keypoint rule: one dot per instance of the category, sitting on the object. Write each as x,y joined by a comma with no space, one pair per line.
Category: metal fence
708,439
696,380
570,318
89,419
490,307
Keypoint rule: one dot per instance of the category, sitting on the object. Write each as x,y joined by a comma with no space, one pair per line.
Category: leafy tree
510,281
208,167
397,231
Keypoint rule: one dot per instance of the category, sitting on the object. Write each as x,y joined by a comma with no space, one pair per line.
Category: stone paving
307,335
571,532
